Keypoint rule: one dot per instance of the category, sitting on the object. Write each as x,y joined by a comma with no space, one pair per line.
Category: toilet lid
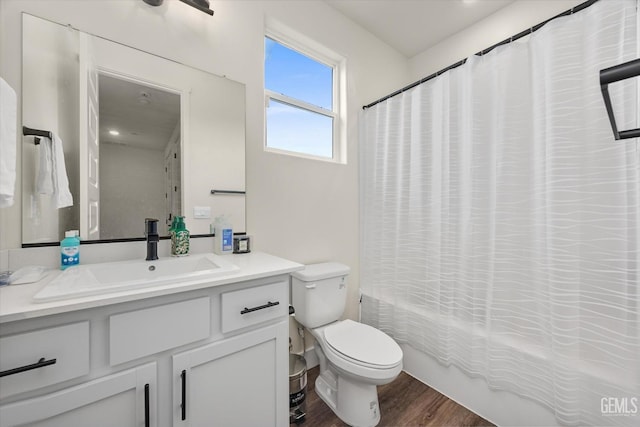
363,343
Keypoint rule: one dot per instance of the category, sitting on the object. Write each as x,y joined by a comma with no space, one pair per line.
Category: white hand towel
44,181
52,177
62,195
8,114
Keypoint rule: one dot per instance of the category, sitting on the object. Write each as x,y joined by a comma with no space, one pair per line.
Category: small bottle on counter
172,231
223,239
70,249
179,238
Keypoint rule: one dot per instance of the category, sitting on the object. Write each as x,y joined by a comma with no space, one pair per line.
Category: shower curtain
500,220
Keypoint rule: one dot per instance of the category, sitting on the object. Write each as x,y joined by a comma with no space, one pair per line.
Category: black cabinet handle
260,307
39,364
183,376
146,405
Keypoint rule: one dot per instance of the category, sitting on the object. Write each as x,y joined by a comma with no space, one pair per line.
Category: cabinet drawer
121,399
248,307
145,332
52,355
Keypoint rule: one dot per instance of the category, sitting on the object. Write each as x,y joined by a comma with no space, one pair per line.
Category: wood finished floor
405,402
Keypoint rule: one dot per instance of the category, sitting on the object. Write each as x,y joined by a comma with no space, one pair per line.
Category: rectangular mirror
142,136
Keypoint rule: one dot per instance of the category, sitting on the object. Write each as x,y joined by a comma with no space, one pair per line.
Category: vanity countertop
16,301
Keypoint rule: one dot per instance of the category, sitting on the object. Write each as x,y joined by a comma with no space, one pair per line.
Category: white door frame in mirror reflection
89,144
212,129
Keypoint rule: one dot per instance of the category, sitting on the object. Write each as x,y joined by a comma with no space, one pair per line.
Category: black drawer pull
261,307
146,406
40,364
183,376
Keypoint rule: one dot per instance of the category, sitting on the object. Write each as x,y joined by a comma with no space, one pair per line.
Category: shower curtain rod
571,11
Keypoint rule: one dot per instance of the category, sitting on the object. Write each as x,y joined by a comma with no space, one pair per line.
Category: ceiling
145,117
412,26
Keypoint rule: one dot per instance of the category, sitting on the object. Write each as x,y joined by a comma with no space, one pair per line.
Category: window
301,99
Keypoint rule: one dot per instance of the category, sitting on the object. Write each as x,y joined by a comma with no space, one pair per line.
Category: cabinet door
124,399
240,381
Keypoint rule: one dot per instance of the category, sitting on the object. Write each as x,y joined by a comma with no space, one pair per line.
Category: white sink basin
94,279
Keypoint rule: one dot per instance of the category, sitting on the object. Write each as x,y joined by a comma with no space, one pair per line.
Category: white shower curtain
500,219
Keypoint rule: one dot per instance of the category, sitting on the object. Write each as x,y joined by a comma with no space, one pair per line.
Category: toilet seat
363,345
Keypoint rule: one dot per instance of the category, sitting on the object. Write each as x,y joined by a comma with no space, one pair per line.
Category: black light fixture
612,75
201,5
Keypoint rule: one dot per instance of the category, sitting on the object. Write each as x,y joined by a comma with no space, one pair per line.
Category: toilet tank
319,293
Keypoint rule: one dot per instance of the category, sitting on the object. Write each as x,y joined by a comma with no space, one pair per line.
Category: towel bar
227,192
26,131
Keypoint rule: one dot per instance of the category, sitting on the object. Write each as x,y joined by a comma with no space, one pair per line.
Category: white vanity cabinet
35,359
235,382
209,356
124,399
238,381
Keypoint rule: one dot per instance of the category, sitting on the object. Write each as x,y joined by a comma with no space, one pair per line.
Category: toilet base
353,402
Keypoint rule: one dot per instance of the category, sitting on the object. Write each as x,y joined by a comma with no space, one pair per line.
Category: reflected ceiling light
114,132
144,98
465,2
201,5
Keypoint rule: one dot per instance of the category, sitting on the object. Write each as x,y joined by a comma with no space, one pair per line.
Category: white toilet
354,357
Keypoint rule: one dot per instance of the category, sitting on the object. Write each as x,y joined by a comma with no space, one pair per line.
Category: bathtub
502,407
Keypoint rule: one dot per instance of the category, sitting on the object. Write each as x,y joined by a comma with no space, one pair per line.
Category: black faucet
151,232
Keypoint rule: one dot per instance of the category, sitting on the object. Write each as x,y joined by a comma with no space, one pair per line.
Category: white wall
300,209
132,189
518,16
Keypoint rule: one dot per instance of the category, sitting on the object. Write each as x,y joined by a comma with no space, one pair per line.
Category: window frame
322,55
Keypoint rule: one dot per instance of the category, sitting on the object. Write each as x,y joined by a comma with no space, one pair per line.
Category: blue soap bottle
69,250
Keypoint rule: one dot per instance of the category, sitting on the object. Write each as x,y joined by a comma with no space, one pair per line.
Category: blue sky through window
295,128
293,74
